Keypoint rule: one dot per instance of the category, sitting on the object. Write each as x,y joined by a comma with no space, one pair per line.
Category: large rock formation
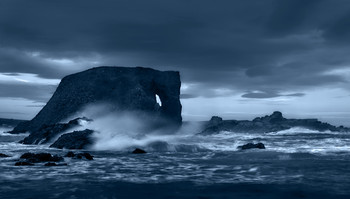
126,89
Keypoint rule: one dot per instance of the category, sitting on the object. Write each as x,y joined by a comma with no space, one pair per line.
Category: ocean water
297,163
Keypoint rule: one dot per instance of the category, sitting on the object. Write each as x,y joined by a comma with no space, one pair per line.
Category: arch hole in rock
158,100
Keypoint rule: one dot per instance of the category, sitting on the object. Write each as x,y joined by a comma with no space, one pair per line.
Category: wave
300,130
3,132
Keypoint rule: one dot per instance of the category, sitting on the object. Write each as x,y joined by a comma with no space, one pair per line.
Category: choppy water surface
306,162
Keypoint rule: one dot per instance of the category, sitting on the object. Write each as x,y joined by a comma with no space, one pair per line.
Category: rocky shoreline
269,123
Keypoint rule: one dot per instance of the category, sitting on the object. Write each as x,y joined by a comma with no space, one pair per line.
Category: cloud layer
256,49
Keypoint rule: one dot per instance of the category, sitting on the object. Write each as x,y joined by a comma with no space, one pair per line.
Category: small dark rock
70,154
4,155
85,155
88,156
23,163
56,158
138,151
252,146
41,157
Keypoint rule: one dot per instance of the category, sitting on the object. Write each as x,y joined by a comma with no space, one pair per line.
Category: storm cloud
253,49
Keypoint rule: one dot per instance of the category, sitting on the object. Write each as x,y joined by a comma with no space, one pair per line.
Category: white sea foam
3,130
300,130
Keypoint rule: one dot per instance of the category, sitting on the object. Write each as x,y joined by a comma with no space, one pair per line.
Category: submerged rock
23,163
252,146
41,157
74,140
126,89
4,155
85,155
138,151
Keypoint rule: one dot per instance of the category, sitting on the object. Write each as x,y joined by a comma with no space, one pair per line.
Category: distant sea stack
127,89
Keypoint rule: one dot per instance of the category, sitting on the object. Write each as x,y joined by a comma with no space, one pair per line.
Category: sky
237,59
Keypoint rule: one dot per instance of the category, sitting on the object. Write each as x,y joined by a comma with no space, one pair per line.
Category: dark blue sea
297,163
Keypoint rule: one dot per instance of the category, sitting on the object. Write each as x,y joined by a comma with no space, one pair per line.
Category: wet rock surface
41,157
270,123
47,133
252,146
74,140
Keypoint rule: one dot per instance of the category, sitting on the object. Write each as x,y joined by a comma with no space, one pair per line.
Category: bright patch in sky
21,78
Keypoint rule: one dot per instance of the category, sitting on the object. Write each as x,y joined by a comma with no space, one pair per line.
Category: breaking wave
127,130
300,130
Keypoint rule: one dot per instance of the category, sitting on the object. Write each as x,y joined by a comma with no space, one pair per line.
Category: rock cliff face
126,89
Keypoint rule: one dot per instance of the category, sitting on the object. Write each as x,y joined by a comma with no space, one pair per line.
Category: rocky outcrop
47,133
270,123
74,140
126,89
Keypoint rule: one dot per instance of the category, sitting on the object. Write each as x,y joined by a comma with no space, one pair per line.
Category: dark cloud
339,30
288,16
223,48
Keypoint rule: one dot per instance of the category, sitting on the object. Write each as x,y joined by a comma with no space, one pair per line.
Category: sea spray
121,130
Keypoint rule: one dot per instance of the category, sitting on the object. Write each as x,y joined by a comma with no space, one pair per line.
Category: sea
297,163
